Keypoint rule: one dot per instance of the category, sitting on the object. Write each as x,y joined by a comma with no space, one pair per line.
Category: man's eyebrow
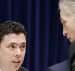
14,43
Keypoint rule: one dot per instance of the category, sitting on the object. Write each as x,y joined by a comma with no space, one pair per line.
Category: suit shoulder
63,66
23,69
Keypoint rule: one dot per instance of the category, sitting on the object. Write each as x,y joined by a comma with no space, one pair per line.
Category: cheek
5,54
5,58
71,28
68,26
23,54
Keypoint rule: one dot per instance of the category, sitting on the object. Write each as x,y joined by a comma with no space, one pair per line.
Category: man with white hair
67,18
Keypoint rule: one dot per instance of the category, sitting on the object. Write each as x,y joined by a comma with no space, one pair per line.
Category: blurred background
46,44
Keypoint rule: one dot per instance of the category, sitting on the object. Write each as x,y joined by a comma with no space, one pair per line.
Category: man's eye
63,22
11,46
22,47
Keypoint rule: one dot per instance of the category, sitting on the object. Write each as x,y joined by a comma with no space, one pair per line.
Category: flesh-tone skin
12,51
68,22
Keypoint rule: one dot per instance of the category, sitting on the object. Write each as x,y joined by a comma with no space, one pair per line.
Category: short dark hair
8,27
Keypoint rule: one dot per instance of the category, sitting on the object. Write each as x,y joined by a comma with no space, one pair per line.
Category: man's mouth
16,61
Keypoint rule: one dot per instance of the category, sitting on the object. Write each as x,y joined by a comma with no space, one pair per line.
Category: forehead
64,15
65,12
16,38
67,16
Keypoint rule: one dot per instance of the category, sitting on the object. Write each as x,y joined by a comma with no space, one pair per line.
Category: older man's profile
12,46
67,18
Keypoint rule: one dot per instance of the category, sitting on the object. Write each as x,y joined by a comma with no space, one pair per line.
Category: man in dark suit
12,46
67,17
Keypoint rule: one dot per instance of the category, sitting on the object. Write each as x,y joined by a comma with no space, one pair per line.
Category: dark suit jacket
63,66
23,69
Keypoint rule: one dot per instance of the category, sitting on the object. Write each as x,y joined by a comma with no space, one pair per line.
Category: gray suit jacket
23,69
63,66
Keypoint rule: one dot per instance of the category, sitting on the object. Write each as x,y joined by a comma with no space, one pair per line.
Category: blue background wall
46,45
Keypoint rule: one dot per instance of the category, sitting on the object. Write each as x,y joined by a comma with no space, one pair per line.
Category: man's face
12,51
68,23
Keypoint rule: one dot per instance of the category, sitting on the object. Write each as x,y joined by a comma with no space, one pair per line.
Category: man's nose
18,52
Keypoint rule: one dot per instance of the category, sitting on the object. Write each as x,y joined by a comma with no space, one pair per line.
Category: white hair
68,5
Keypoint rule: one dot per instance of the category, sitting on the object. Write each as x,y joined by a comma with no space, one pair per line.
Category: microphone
71,56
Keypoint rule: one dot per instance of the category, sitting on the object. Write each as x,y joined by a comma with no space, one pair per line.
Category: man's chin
16,68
